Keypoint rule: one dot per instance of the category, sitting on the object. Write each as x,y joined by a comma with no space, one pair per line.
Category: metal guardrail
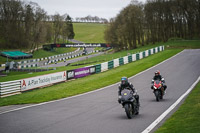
10,88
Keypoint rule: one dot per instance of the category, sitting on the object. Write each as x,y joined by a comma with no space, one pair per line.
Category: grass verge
89,83
89,32
186,118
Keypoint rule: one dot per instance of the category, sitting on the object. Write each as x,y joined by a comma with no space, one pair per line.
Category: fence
15,87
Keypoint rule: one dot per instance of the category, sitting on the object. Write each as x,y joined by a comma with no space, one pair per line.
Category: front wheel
128,110
157,94
137,109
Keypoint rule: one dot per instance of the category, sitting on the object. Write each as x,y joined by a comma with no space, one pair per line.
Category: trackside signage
39,81
81,72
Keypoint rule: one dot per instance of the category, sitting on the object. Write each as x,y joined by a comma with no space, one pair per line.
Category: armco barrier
130,59
146,53
121,61
104,66
140,55
154,50
110,64
116,62
137,56
125,58
143,55
13,87
133,57
10,88
98,68
149,52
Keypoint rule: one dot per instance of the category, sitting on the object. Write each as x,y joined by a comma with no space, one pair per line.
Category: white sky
82,8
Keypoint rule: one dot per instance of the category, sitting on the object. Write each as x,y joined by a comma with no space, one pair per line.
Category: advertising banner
81,72
89,45
39,81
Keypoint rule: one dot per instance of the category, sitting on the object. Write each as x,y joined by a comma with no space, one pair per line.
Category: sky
82,8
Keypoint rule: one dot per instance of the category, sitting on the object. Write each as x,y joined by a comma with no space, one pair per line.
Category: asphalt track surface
99,111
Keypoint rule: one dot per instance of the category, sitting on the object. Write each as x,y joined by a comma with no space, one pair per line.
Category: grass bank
89,32
83,85
186,118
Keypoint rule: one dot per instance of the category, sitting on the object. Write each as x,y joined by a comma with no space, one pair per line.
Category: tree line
27,25
154,21
92,19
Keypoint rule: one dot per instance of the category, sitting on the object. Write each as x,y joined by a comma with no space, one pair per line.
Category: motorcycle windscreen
126,94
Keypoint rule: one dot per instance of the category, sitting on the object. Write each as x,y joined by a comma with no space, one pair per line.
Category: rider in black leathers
159,77
124,84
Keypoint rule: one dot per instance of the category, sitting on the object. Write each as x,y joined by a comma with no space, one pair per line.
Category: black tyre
128,110
157,94
137,110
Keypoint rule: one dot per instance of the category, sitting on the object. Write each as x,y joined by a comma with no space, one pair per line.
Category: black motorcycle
129,103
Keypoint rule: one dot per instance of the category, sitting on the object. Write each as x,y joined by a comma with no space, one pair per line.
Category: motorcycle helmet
124,80
157,73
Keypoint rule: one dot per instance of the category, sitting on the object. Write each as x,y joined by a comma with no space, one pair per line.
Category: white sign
39,81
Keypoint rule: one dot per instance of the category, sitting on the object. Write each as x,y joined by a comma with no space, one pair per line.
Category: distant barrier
52,59
26,63
18,86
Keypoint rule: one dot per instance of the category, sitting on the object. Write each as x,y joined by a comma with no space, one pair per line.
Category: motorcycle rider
123,85
159,77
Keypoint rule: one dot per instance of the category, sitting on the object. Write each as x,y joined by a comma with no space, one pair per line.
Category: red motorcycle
158,89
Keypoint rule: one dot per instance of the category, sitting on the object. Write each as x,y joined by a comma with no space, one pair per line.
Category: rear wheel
128,110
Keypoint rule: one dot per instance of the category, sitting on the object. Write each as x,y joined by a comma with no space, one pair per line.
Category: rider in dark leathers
159,77
124,84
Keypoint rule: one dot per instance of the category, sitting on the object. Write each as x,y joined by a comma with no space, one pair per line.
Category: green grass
185,44
83,85
186,118
89,32
15,73
42,53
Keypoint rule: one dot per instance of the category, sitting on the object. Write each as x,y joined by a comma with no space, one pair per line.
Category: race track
74,59
99,111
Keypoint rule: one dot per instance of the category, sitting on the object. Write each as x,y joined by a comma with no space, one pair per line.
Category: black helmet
124,80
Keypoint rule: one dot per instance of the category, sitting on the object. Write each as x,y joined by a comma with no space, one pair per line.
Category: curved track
75,59
99,111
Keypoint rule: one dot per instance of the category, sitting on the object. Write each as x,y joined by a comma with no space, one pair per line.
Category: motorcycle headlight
155,87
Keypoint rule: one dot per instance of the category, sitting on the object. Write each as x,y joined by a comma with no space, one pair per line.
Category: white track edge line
163,115
90,91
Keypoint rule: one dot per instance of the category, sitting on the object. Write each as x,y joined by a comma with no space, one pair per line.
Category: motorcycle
129,103
158,89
